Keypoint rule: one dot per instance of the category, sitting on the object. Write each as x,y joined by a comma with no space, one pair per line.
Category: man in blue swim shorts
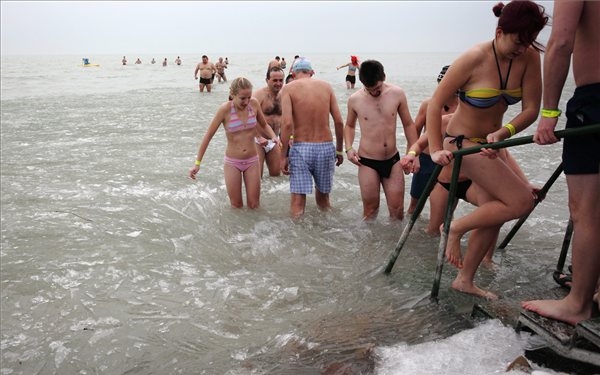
306,106
576,32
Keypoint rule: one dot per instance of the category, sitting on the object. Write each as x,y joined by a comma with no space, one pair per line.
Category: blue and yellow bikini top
487,97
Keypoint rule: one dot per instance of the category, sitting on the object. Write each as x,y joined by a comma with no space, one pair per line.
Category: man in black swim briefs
207,73
377,155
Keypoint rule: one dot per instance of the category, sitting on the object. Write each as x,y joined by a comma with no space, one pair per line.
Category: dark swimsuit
462,186
383,167
488,97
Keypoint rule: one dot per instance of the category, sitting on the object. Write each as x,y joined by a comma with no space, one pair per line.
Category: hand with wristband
352,155
195,169
544,134
410,162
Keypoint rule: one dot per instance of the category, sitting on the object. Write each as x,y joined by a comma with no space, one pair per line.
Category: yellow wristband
339,152
197,162
349,149
291,137
551,113
412,152
511,129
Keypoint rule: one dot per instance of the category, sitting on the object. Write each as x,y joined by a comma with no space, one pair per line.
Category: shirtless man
576,32
270,102
306,106
376,107
275,63
221,66
207,71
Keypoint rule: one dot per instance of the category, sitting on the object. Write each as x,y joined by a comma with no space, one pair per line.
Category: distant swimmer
178,60
138,61
227,61
353,68
165,62
221,66
282,63
207,73
153,61
275,62
124,61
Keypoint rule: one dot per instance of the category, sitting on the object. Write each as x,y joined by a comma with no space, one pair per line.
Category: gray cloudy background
181,27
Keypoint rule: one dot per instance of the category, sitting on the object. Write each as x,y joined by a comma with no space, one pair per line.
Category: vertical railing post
452,199
415,215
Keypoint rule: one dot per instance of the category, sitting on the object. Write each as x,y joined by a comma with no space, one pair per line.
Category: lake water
114,262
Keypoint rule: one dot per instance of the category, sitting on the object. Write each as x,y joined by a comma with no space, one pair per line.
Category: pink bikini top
236,125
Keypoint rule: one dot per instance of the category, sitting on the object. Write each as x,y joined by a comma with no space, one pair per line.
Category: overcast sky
188,27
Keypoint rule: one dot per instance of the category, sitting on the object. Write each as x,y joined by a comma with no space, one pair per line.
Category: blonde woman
241,117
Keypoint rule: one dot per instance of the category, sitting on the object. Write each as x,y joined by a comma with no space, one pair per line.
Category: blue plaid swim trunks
311,160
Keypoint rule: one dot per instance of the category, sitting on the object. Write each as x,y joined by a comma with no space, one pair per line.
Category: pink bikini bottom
242,164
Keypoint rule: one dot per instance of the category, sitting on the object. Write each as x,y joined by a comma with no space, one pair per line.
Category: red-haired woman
352,70
488,78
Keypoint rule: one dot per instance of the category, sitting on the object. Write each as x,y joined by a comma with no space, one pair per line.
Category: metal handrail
458,154
471,150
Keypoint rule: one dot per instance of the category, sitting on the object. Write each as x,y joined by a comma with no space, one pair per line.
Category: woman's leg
233,183
510,198
252,183
479,241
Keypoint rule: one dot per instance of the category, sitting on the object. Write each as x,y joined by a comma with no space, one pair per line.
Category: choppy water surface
114,262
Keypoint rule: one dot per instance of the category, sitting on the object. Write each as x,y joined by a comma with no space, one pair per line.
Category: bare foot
489,264
453,252
558,310
470,288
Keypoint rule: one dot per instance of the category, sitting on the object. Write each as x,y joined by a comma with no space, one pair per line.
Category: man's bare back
312,101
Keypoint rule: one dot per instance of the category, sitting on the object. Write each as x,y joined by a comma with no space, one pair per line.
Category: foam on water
484,350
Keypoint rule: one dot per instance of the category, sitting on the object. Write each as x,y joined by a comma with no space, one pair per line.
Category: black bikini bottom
383,167
461,188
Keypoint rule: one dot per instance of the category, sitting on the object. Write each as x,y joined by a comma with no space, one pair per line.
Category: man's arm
408,124
338,124
287,123
557,61
350,127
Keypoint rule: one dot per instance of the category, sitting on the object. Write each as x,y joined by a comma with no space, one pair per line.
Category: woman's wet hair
522,17
240,83
371,72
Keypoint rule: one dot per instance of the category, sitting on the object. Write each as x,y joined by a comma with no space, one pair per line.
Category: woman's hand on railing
442,157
